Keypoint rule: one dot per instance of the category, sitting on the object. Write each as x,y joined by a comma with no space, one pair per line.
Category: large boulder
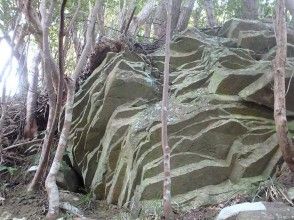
254,35
220,124
233,27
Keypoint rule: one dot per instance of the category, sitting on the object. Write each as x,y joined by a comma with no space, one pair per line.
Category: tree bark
209,8
185,15
279,64
147,30
126,11
175,13
30,128
250,9
161,19
167,209
100,19
52,189
2,120
51,186
50,67
142,17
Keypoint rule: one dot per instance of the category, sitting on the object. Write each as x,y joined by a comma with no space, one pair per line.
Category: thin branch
22,144
74,18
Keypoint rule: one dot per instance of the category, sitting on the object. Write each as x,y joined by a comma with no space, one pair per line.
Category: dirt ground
16,203
33,206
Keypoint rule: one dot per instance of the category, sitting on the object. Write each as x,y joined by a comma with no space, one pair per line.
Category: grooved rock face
220,123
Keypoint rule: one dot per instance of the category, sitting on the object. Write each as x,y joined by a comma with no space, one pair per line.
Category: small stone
290,193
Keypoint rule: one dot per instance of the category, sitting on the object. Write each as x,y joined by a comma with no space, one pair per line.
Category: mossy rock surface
220,122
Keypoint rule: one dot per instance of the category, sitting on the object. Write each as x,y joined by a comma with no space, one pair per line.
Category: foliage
10,170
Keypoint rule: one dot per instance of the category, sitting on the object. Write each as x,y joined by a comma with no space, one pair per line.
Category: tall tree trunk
30,128
54,108
161,19
51,186
176,11
52,189
185,15
279,64
164,116
126,12
100,19
23,71
77,43
250,9
147,30
209,8
142,17
2,119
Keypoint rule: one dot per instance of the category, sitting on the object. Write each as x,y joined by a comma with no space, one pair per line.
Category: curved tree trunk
52,189
49,66
279,63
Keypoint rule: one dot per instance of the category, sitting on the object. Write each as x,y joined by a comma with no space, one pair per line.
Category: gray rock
257,211
221,135
231,212
290,193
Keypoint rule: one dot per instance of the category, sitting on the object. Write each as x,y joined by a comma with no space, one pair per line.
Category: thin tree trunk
279,64
2,119
53,106
209,8
176,10
30,124
164,116
147,30
250,9
185,15
51,186
143,16
126,11
23,71
76,43
52,189
161,19
100,19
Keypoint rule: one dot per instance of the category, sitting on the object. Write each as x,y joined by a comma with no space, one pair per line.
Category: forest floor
19,204
16,203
